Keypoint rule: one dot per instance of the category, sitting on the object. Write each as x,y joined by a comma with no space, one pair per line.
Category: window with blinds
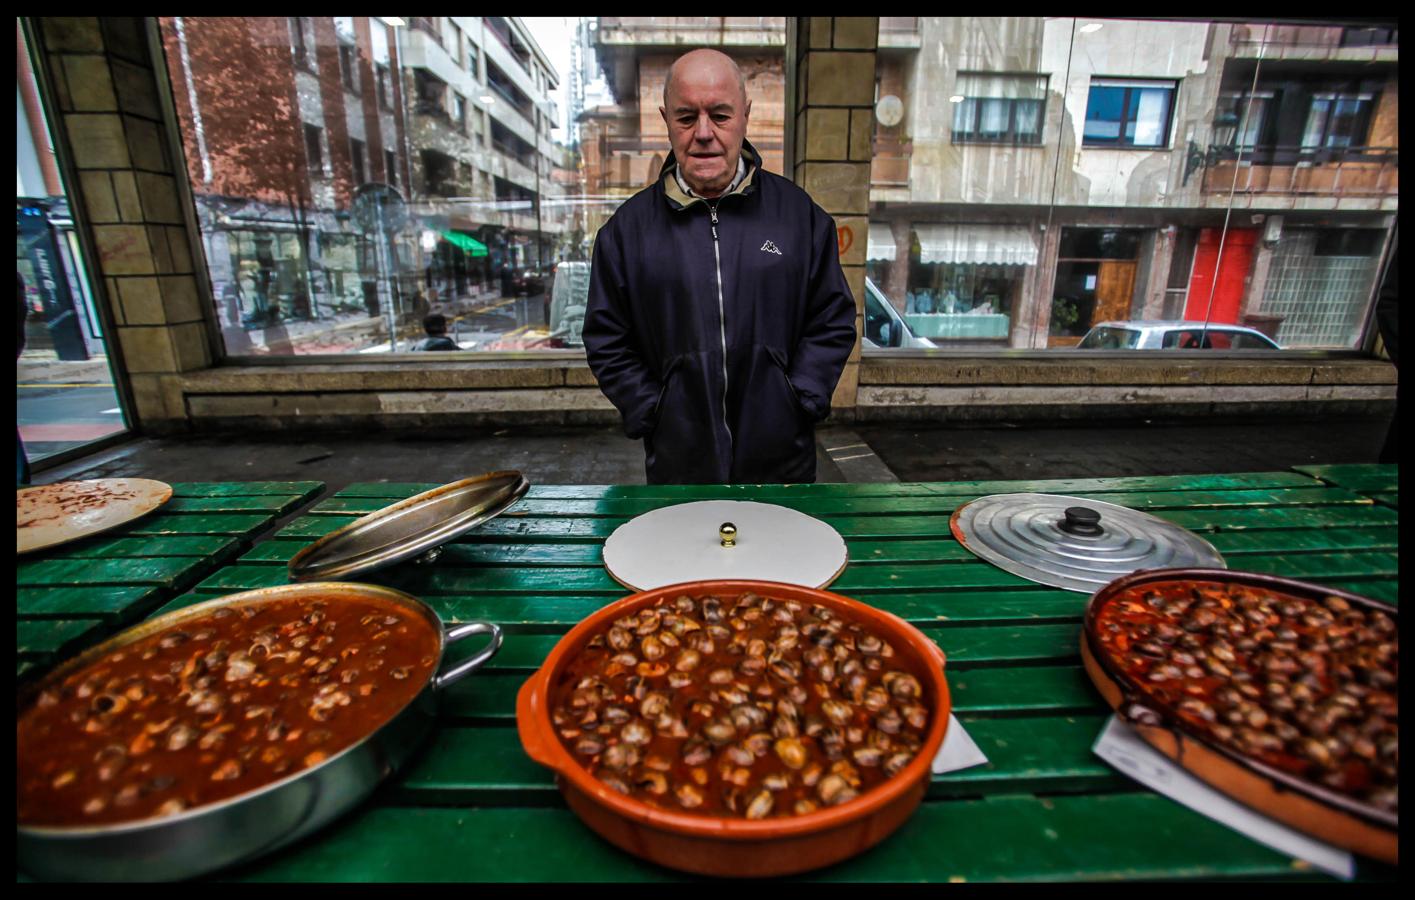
998,109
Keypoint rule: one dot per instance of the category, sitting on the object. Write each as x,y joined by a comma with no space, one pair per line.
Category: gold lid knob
728,532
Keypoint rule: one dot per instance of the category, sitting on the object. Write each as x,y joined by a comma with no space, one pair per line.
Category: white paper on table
959,750
1123,748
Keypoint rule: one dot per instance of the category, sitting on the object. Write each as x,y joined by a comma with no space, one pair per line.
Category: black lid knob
1081,520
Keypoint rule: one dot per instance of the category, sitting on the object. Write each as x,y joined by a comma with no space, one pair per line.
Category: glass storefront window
1105,183
65,391
355,175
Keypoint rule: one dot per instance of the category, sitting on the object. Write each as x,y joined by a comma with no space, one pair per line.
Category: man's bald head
705,107
704,63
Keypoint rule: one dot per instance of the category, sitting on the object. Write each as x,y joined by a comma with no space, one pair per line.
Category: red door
1232,275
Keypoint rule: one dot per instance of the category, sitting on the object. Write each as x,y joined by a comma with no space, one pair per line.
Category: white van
884,327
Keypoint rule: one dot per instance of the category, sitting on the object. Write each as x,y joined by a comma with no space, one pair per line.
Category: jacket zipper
721,318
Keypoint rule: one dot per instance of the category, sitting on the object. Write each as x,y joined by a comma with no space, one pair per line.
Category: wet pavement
866,453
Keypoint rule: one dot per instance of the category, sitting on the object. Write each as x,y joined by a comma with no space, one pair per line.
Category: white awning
1006,245
881,242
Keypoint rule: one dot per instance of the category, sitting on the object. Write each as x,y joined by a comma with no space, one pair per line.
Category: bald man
719,320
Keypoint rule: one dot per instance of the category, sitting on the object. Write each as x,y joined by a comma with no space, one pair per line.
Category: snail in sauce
1307,686
746,707
215,706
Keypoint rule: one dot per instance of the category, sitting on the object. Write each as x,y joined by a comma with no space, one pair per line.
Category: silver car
1174,336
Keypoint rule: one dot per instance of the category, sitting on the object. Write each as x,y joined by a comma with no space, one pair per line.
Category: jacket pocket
665,380
775,440
682,448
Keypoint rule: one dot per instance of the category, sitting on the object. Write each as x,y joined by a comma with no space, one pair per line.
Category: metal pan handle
474,662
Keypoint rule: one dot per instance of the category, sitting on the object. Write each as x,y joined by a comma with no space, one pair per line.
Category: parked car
884,326
569,294
527,282
1174,336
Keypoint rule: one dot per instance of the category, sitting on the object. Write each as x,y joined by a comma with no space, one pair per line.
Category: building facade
1035,176
624,144
372,168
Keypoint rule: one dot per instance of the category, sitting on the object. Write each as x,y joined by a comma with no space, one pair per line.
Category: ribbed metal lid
1074,543
409,528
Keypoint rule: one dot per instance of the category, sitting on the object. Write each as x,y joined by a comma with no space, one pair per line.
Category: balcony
1311,43
688,31
899,32
889,163
1294,171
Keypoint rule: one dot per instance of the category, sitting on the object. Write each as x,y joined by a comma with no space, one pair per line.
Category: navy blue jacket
720,342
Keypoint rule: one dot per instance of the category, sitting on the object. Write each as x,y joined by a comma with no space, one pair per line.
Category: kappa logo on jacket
769,247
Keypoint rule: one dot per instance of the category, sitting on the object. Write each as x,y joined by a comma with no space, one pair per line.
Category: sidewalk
602,455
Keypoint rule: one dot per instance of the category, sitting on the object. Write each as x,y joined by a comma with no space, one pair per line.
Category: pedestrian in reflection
718,320
436,327
277,339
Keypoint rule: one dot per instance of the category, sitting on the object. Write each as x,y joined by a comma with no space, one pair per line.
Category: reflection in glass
64,385
354,175
1254,156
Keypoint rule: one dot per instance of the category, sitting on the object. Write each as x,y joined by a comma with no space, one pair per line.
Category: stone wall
831,145
107,104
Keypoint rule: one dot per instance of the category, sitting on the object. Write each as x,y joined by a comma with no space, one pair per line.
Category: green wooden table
70,596
472,806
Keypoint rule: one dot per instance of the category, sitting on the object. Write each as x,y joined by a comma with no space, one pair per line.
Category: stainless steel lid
1073,543
409,528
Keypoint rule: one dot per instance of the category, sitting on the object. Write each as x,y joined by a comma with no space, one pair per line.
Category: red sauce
1308,687
216,706
741,706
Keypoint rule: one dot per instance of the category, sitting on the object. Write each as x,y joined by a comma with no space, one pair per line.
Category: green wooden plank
680,493
1016,690
237,524
277,504
114,604
1384,590
213,547
245,488
1361,516
928,504
862,552
46,639
926,576
1242,543
242,578
1324,565
1357,476
460,555
531,528
1016,838
164,571
1391,499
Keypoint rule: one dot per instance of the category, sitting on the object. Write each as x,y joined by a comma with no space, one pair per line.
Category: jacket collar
680,200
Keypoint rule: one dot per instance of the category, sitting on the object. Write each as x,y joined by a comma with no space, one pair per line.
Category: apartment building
371,164
623,145
481,119
1035,176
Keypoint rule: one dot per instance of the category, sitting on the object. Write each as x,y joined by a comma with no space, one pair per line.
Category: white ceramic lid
684,543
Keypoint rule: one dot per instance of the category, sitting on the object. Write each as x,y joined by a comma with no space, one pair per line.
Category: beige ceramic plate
54,514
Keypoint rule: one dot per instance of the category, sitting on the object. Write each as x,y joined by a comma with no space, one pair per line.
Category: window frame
1121,142
349,68
300,48
314,141
358,159
1010,138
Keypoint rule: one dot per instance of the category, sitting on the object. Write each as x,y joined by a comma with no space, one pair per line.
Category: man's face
707,121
